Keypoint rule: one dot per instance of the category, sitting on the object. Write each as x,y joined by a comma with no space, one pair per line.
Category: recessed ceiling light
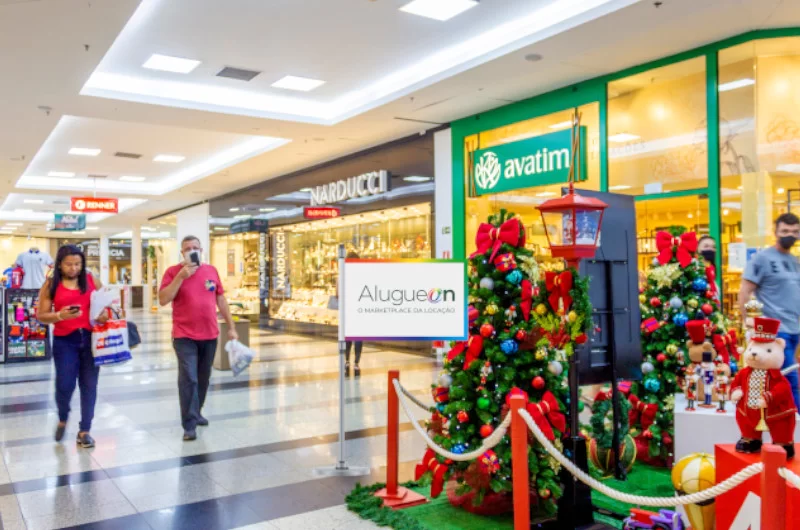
618,188
781,190
80,233
416,178
739,187
733,85
84,151
303,84
166,63
234,210
306,190
623,137
172,159
562,125
33,201
220,228
243,216
63,174
726,212
438,9
128,178
266,209
92,228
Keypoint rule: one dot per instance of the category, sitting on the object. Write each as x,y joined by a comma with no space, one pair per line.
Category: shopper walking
359,346
64,300
196,292
773,275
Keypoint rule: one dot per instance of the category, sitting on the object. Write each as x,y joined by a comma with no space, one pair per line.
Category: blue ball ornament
734,366
440,407
700,284
652,385
509,346
514,277
680,319
458,449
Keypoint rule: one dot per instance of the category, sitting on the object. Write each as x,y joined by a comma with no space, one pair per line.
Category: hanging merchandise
26,339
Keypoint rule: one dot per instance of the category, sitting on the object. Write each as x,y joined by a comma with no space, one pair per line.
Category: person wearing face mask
707,248
195,290
773,275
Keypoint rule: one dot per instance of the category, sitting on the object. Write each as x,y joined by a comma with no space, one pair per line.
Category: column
104,270
757,217
136,255
194,222
443,206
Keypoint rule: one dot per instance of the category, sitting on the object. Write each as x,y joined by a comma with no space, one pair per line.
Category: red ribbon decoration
473,348
491,237
548,415
644,411
429,463
559,286
711,277
558,339
686,247
725,345
527,299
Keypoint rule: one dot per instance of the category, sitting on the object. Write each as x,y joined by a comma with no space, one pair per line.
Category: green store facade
708,139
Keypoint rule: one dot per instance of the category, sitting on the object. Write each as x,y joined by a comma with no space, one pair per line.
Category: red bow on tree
430,463
711,277
526,301
559,286
646,412
548,415
686,247
491,237
473,346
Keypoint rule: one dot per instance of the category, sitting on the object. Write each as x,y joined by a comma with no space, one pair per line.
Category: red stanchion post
393,495
773,488
519,466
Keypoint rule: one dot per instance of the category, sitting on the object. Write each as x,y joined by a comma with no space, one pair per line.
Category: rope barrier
790,477
662,502
791,368
488,443
414,399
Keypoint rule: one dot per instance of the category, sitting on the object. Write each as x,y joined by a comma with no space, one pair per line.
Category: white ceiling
356,46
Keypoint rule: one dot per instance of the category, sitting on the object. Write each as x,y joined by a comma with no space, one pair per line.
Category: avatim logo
487,170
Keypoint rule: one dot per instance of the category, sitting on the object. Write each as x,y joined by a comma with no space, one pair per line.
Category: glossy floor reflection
251,468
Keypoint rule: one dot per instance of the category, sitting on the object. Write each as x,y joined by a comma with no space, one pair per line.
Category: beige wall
10,247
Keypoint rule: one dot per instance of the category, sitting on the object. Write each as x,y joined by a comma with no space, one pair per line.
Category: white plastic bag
239,356
101,299
110,343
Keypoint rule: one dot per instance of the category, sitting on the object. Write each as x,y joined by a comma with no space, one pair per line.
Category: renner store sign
373,183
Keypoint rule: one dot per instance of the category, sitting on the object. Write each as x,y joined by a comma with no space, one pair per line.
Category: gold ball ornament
693,303
672,349
541,309
492,309
572,316
694,473
642,298
541,354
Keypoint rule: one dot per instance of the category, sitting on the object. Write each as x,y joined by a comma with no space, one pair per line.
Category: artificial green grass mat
643,480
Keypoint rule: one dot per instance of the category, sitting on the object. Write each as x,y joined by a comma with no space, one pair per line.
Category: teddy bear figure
762,394
701,355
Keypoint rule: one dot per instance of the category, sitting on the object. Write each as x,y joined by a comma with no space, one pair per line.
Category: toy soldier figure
691,389
722,380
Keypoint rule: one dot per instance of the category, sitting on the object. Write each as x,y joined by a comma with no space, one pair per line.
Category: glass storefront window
311,269
523,202
759,109
236,258
657,135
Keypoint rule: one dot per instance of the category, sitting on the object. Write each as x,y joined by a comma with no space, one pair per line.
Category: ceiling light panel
84,151
301,84
438,9
408,65
61,174
130,178
170,159
167,63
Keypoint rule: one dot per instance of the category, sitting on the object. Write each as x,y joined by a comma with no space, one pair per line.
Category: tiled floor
251,468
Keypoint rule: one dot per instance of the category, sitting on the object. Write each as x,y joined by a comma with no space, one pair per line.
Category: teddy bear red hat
765,329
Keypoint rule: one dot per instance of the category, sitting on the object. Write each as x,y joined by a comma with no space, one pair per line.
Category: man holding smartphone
195,290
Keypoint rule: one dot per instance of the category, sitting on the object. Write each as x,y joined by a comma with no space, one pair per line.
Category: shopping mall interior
280,144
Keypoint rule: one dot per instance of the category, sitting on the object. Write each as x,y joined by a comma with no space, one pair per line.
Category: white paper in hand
101,299
239,356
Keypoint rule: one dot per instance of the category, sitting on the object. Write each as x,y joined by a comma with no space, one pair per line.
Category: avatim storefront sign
536,161
404,300
373,183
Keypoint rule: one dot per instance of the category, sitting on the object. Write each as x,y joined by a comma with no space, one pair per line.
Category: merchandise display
236,257
26,337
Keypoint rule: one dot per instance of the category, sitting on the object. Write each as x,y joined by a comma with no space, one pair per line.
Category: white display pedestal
701,430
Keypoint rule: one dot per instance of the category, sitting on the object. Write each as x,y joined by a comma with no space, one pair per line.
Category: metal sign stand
341,469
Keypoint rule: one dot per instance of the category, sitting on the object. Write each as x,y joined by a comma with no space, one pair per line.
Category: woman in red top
64,301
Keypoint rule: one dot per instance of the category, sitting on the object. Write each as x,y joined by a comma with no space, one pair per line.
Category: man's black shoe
189,436
202,422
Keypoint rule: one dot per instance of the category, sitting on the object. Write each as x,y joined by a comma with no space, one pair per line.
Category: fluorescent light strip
61,174
84,151
562,125
301,84
33,201
622,138
167,63
540,23
171,159
733,85
440,10
417,178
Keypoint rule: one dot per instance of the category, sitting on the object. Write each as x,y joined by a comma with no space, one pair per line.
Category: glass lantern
572,224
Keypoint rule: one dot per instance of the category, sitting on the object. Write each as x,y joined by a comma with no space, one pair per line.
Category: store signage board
404,300
249,225
94,205
280,265
321,212
68,222
373,183
263,281
536,161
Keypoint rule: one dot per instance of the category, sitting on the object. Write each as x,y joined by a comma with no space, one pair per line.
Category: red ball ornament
487,330
709,294
520,336
544,493
661,357
647,434
486,430
707,309
655,301
538,382
667,439
462,416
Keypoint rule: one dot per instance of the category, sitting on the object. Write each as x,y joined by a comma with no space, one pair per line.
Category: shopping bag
134,339
239,356
110,343
100,300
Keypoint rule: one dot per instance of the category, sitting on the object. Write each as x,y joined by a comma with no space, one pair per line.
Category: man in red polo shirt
195,290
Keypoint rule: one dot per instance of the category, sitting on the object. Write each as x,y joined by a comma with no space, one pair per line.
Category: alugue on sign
373,183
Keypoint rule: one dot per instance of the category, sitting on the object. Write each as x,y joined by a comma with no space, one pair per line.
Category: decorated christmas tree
677,291
522,330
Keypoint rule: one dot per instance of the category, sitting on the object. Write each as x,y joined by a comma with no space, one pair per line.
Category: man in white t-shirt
33,263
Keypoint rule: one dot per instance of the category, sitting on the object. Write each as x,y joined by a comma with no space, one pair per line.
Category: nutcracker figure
701,355
691,390
721,381
762,394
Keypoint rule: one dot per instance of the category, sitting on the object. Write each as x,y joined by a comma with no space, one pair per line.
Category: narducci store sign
280,265
373,183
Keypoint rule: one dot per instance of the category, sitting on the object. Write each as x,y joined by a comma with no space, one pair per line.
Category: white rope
790,477
663,502
413,398
488,443
791,368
